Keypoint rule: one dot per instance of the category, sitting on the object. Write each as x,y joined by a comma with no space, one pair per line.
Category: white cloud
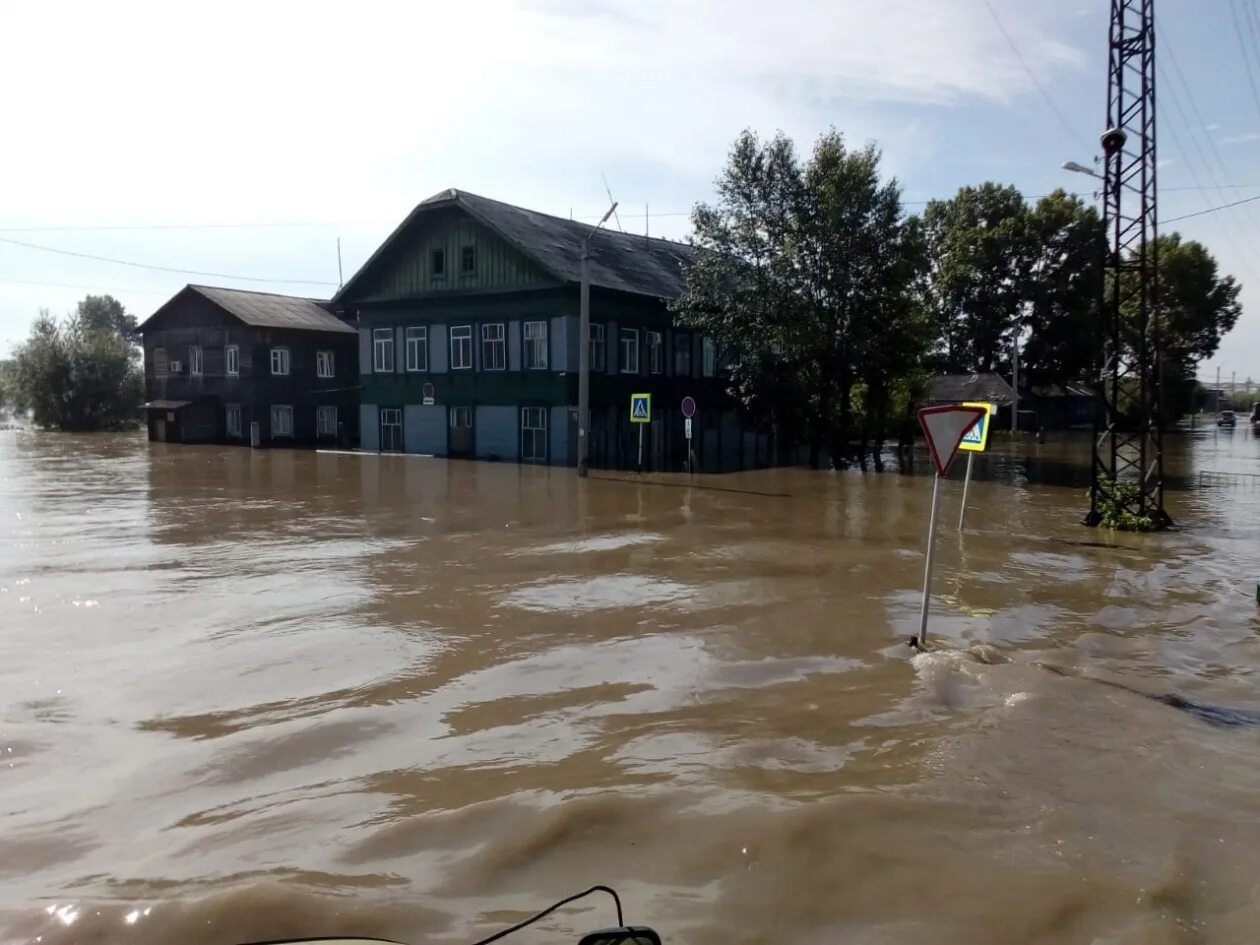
1241,138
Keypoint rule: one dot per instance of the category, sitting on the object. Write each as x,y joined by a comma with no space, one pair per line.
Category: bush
1114,503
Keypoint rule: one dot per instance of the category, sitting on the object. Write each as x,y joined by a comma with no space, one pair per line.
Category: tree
979,255
802,276
106,313
78,376
1061,314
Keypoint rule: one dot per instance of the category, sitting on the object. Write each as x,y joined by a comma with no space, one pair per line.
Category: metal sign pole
641,447
962,513
921,639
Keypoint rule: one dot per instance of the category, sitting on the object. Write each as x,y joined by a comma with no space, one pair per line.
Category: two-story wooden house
469,334
226,365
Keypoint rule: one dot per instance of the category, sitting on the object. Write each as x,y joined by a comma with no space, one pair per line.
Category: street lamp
1081,169
584,343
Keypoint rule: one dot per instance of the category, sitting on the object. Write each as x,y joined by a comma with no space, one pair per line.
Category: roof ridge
457,194
277,295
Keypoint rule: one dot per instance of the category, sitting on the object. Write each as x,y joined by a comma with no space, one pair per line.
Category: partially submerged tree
72,375
803,277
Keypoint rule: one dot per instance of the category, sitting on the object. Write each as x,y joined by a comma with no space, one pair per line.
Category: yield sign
945,427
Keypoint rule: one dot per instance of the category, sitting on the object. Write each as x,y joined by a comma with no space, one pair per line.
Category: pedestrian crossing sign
976,440
640,408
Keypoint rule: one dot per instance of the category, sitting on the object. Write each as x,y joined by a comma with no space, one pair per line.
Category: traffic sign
687,427
427,389
689,409
944,428
976,440
640,408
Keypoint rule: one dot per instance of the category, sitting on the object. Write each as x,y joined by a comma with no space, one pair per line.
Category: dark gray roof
266,309
620,261
957,388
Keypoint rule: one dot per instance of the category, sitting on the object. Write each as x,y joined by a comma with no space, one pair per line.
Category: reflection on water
264,694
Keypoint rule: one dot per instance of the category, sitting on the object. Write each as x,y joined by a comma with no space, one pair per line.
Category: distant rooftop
982,388
268,310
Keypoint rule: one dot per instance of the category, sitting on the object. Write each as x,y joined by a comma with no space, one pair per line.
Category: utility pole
584,346
1218,389
1015,383
1128,447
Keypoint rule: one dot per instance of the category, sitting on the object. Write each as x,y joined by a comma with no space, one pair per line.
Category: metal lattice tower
1127,444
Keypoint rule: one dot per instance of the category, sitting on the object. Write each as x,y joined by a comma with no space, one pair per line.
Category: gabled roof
621,261
265,309
957,388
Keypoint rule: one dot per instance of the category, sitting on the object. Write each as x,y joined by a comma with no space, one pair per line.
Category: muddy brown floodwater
261,694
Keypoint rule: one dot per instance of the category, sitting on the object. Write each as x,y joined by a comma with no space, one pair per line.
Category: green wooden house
469,333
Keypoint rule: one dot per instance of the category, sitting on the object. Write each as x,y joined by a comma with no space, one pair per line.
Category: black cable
552,908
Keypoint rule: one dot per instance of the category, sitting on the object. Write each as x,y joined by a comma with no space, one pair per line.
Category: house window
232,360
597,347
708,352
280,361
534,434
493,347
391,430
656,351
467,260
325,421
281,421
417,339
194,359
461,347
383,350
461,418
160,363
629,345
325,366
536,346
682,355
437,263
233,412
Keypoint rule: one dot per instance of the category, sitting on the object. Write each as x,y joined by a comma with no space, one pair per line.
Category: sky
241,141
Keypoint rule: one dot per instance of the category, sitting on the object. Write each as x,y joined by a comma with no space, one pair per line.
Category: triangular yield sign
944,427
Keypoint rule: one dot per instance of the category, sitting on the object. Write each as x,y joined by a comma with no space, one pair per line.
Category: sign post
975,440
641,413
688,411
944,427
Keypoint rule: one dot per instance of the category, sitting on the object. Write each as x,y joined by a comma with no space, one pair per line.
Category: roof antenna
340,281
608,191
647,223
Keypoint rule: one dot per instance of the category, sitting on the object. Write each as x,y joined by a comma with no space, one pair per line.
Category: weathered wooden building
226,365
469,335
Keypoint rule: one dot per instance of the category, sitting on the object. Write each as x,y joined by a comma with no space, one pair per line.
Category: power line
88,288
188,226
136,265
1199,213
1242,47
1072,129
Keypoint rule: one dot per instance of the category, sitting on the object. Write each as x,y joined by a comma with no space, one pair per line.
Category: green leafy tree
802,276
72,375
106,313
979,251
1061,314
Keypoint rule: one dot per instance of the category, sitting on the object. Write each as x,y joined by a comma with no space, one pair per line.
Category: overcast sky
242,139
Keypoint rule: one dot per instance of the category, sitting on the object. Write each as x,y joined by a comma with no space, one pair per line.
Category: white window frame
493,345
382,351
708,356
599,348
323,425
325,363
281,421
462,334
232,360
195,362
656,351
280,361
534,434
684,352
456,413
628,350
535,344
233,411
416,341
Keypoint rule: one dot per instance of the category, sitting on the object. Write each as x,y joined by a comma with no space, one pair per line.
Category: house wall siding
497,432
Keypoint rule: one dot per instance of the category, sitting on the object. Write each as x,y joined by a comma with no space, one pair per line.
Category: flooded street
259,694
